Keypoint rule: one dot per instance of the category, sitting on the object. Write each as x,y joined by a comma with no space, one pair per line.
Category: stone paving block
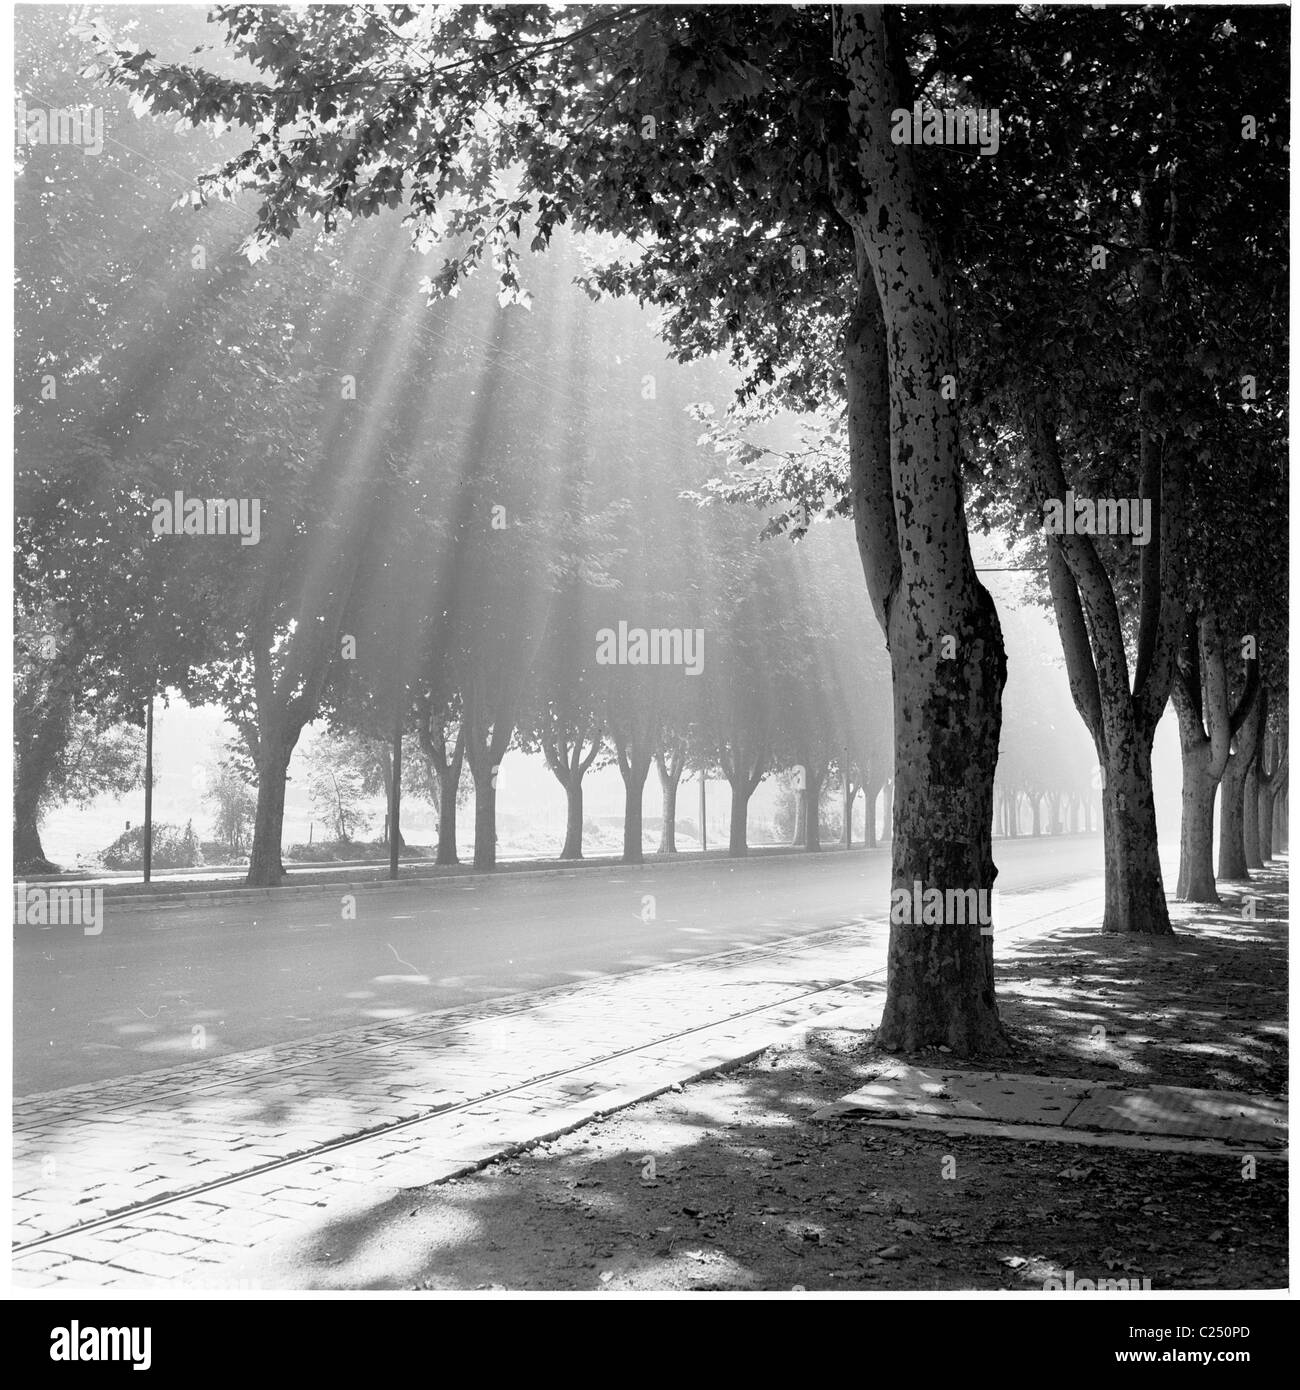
164,1242
83,1274
39,1261
135,1260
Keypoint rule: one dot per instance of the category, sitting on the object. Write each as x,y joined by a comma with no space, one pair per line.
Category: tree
228,788
336,774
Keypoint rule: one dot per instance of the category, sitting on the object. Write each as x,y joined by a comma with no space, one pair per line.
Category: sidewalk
232,1150
256,1170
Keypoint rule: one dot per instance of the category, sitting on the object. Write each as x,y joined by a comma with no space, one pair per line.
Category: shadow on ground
730,1185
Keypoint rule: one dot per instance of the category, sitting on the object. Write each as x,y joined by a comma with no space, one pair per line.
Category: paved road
131,999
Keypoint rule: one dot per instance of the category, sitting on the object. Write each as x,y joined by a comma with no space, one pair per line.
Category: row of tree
1097,310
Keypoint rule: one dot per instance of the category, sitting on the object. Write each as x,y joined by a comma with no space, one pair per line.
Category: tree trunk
572,848
448,788
1135,894
887,812
29,854
946,652
1266,844
485,819
812,798
1232,828
869,800
800,813
738,846
1196,839
1250,824
1270,776
634,770
670,777
444,774
265,867
849,795
40,736
486,742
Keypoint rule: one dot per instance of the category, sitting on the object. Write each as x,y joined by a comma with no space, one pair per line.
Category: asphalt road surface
87,1008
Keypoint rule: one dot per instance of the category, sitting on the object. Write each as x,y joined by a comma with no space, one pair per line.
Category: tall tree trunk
562,748
1232,830
1250,818
444,773
265,867
572,847
42,727
670,769
812,800
1135,893
487,734
869,800
1232,827
635,768
946,652
800,814
1196,840
1205,730
1266,840
886,813
485,818
448,790
1270,774
738,844
29,853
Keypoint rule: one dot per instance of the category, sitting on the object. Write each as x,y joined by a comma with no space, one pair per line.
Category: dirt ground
729,1185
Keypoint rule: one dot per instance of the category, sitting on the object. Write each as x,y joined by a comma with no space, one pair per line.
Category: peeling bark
946,651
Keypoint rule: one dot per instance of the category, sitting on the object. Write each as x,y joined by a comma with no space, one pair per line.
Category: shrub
173,848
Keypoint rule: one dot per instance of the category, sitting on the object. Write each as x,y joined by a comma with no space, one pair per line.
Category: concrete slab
1009,1099
1230,1116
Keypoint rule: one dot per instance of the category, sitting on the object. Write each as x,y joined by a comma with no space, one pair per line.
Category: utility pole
848,802
148,788
395,795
